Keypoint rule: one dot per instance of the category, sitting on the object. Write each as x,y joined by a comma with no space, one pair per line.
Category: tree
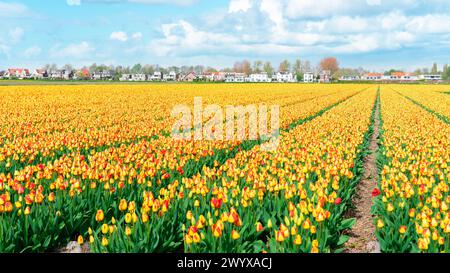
51,67
257,66
242,67
67,67
198,69
390,71
211,69
446,72
137,68
148,69
246,67
93,68
329,63
346,72
434,69
285,66
306,66
298,67
237,67
268,68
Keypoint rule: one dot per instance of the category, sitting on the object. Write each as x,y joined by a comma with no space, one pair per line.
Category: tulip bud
235,235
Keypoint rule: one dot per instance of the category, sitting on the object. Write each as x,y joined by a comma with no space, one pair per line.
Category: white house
235,77
102,75
409,77
125,77
349,78
430,77
372,77
157,76
259,77
239,77
138,77
39,74
284,77
56,74
172,76
308,77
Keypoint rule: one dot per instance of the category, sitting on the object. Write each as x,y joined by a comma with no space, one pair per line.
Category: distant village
328,71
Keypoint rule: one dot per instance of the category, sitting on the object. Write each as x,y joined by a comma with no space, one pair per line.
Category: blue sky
374,34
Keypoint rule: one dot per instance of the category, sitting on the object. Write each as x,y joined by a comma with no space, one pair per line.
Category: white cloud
239,5
274,10
32,52
16,34
119,36
73,2
78,51
12,9
431,23
182,37
136,36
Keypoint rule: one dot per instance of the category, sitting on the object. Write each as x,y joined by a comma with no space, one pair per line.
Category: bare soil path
362,235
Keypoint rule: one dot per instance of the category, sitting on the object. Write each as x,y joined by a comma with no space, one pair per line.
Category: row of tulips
411,204
291,200
45,205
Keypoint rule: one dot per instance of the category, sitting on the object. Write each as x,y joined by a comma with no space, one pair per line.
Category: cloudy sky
375,34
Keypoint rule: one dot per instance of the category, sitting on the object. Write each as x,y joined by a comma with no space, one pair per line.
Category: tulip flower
105,242
123,205
99,215
375,192
235,235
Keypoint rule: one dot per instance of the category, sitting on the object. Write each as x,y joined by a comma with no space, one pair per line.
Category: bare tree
285,66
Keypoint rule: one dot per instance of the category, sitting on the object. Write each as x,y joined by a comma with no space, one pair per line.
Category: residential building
284,77
308,77
214,76
39,74
138,77
82,74
102,75
349,78
372,77
189,77
56,74
172,76
325,76
125,77
19,73
409,77
430,77
157,76
259,77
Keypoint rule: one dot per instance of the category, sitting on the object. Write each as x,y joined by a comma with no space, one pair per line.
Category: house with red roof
372,77
19,73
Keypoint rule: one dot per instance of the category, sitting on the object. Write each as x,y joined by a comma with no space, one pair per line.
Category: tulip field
97,164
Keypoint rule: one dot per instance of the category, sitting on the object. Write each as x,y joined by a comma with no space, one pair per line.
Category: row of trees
445,72
297,67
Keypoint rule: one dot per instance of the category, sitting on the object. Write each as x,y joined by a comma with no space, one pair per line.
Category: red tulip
375,192
338,200
216,203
